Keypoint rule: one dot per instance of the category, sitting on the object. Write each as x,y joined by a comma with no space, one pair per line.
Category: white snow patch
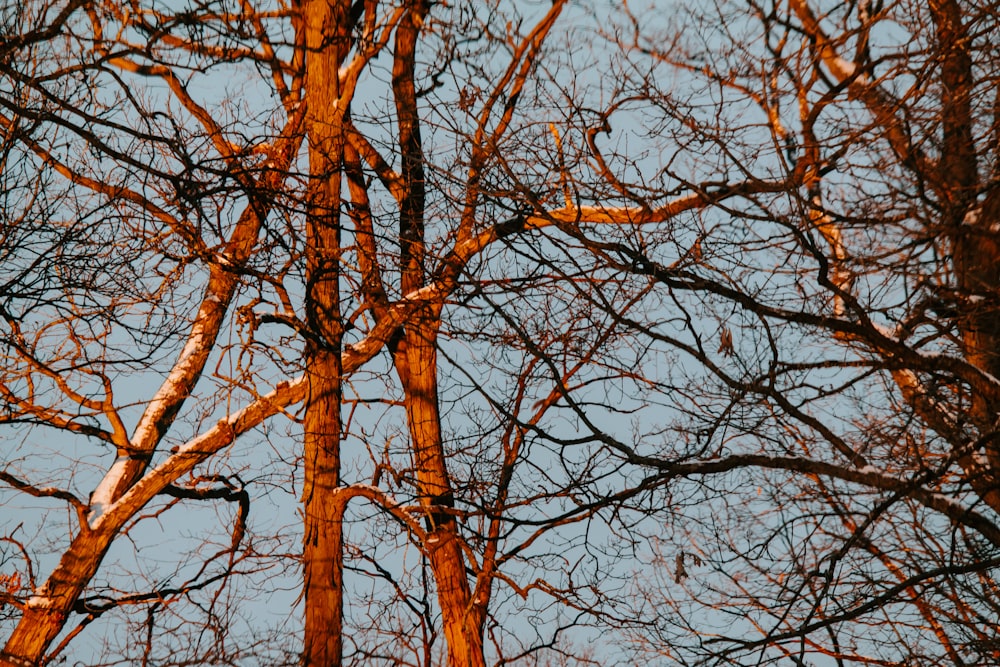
948,501
952,360
916,386
102,499
40,602
371,488
884,330
180,370
843,68
373,492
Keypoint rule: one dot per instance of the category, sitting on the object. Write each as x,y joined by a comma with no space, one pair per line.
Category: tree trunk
327,35
975,247
47,610
323,548
416,363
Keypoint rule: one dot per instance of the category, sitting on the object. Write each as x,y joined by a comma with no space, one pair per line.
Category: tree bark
327,41
46,611
323,548
975,246
416,363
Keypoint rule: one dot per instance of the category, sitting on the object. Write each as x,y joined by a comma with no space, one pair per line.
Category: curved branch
44,491
867,476
878,102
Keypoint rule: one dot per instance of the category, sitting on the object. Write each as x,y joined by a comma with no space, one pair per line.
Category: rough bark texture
972,224
322,552
326,44
46,613
416,364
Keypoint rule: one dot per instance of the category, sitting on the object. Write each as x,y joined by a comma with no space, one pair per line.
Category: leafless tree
184,266
673,327
816,406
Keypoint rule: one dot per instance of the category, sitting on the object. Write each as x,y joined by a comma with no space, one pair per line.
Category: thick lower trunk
327,37
33,634
323,548
977,270
416,362
462,628
47,610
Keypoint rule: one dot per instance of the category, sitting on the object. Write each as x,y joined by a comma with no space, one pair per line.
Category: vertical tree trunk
975,248
323,548
416,362
326,28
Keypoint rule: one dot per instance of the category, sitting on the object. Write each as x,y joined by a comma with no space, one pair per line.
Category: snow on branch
193,452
